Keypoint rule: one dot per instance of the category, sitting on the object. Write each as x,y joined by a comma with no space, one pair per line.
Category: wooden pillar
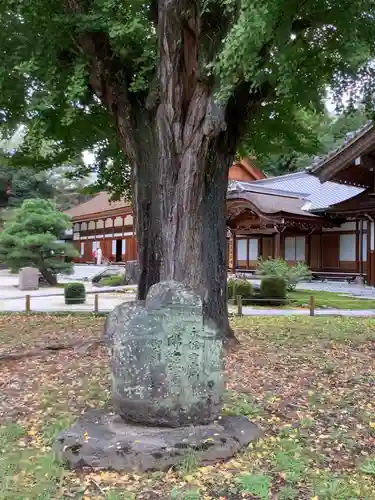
233,262
360,247
277,245
357,247
371,253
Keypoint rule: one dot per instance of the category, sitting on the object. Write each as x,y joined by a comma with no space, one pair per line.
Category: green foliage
255,484
241,404
31,238
185,494
239,287
369,467
280,269
17,185
291,464
273,287
75,293
330,133
280,58
116,280
287,493
189,462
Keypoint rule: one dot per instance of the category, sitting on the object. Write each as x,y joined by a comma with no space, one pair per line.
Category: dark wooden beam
334,163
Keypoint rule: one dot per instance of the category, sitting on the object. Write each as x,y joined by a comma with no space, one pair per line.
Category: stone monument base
103,440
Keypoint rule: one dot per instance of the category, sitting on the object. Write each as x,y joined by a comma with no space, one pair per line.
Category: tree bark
50,278
180,178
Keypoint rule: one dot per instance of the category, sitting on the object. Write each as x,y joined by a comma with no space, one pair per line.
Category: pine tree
31,238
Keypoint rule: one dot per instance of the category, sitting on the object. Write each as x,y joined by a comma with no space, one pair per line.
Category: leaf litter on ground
309,382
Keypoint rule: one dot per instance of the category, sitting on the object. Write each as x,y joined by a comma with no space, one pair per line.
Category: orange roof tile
100,203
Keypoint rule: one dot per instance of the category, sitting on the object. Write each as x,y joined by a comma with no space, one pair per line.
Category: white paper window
114,243
241,249
372,236
300,248
128,220
82,251
290,248
118,222
253,249
123,247
364,247
295,248
347,247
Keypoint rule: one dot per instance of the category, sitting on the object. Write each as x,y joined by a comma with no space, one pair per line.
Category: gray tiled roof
317,195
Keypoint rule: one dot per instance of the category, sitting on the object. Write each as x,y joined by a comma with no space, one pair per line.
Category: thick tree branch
108,80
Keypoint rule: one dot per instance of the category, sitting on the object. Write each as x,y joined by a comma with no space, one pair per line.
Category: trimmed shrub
239,287
278,268
273,288
116,280
75,293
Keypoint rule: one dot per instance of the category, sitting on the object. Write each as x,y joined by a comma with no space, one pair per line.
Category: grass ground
329,299
323,299
309,382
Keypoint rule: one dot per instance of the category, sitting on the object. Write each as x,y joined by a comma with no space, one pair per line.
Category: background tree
31,238
330,132
69,190
173,88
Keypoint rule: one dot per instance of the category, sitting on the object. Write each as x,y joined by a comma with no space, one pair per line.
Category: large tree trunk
188,228
180,187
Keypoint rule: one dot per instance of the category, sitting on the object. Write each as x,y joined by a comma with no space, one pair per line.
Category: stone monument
28,279
167,386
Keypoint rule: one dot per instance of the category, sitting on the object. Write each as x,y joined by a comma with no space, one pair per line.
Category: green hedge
273,288
75,293
116,280
239,287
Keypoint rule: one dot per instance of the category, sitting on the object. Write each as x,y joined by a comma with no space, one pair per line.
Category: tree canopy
17,185
66,63
31,238
330,131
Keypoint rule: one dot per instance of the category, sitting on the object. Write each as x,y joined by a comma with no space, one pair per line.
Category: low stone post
239,304
312,305
27,304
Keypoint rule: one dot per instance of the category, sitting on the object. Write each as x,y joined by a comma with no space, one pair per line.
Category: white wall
347,226
253,249
241,250
347,247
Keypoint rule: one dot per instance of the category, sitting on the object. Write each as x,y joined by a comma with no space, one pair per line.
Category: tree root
48,349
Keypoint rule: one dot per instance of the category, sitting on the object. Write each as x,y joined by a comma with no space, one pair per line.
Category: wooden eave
340,167
103,215
241,205
361,205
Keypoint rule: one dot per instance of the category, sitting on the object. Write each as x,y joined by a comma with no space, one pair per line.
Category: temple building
286,217
323,216
110,225
353,165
